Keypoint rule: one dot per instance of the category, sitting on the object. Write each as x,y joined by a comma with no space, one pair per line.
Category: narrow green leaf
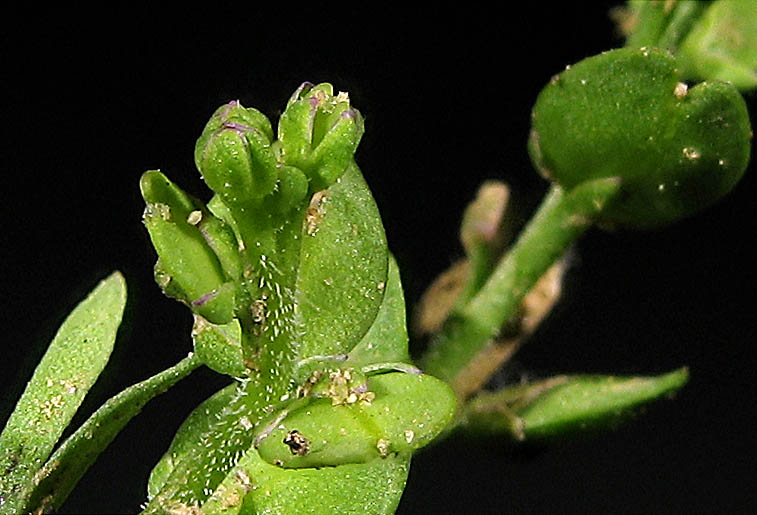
72,363
565,404
67,465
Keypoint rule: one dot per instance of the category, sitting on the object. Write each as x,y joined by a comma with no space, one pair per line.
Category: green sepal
219,346
625,114
234,154
407,412
73,361
723,45
222,240
187,267
564,405
319,133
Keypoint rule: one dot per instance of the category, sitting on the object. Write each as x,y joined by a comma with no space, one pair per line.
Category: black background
87,107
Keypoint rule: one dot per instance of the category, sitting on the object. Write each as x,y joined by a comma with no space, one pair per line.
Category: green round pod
405,412
624,113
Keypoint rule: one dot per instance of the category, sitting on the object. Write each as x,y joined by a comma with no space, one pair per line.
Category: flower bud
187,268
234,154
319,133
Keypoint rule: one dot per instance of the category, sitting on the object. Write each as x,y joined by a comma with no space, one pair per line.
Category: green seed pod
319,133
625,114
187,268
723,45
405,412
234,154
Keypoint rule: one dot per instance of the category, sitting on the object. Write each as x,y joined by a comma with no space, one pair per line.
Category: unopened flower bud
187,268
319,133
234,154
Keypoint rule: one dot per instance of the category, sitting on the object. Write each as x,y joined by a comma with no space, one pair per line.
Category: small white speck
680,90
194,217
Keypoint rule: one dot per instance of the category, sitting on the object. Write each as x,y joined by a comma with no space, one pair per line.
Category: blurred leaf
723,45
565,404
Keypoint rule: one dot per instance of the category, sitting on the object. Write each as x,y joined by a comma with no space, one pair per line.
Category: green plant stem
560,220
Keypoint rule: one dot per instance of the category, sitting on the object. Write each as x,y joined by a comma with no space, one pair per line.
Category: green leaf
343,266
386,340
565,404
72,363
207,446
67,465
197,423
408,411
625,113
